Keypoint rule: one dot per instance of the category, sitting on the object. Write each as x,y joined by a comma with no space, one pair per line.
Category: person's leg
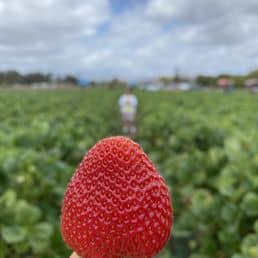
126,127
132,125
133,128
129,127
125,124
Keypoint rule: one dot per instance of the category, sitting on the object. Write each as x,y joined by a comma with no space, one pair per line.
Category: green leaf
250,204
40,236
229,212
26,213
39,246
256,226
225,183
3,249
237,256
21,247
43,230
249,246
13,234
8,198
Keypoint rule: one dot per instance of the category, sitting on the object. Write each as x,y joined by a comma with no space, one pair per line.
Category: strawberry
116,205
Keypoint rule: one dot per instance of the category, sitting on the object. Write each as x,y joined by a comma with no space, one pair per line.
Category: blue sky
118,6
131,40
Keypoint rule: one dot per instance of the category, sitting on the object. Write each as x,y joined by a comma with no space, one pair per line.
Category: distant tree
115,83
239,81
11,77
71,80
225,76
166,80
92,84
203,80
177,78
36,78
253,74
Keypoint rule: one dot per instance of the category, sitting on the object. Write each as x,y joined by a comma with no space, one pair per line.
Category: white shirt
128,103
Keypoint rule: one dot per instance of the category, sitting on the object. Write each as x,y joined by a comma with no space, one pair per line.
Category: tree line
239,81
13,77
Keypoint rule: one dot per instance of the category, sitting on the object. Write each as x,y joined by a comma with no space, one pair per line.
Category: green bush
204,144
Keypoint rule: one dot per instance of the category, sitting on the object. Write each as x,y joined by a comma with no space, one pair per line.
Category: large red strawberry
116,205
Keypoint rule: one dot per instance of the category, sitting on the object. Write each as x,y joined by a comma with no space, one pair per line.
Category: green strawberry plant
204,143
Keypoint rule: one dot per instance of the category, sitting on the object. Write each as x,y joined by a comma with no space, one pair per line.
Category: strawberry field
205,145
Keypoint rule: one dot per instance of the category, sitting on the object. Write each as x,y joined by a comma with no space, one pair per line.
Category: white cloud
162,9
46,31
148,40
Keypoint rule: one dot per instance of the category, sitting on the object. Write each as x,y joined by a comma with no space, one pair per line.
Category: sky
129,39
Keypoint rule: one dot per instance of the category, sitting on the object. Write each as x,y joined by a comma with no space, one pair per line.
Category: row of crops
204,144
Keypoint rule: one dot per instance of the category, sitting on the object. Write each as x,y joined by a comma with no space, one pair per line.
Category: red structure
224,83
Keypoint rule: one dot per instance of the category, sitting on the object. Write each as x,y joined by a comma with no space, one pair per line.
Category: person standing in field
128,106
